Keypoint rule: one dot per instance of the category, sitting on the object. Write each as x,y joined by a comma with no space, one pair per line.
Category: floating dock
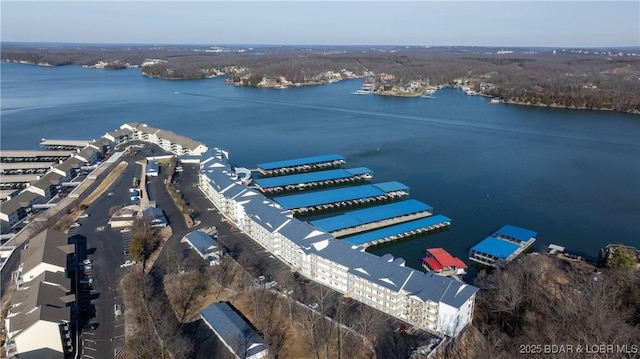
58,145
306,164
367,219
307,203
12,156
25,168
399,231
502,246
441,262
312,180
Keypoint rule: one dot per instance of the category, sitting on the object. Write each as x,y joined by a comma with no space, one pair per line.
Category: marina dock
502,246
298,165
367,219
399,231
441,262
313,180
308,203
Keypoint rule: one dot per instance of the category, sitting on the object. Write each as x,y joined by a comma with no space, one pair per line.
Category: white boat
361,92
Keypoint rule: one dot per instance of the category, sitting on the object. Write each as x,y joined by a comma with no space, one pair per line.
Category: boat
439,261
361,92
502,246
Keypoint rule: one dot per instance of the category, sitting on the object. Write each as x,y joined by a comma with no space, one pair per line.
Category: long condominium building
438,304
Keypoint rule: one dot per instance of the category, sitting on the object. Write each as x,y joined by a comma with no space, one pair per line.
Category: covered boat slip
502,246
304,164
366,219
312,179
342,197
399,231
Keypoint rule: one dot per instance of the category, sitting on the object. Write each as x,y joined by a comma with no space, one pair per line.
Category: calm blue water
572,176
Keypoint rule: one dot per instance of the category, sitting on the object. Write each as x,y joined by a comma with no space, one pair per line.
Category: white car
75,225
87,261
84,215
117,309
127,263
125,230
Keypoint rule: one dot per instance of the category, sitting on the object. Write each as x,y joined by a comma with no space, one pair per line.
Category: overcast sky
479,23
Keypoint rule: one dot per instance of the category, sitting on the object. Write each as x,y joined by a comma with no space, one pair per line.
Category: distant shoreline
327,82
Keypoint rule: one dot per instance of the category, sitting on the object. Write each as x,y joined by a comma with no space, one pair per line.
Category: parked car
312,305
125,230
127,263
87,261
117,309
84,215
74,225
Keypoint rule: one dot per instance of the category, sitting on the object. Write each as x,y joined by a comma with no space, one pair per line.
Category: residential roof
183,141
396,229
45,298
119,133
373,214
300,161
514,232
496,247
201,242
48,246
69,164
309,177
48,180
87,152
233,330
152,167
22,200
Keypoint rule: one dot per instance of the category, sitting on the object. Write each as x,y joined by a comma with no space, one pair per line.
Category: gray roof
119,133
43,296
154,213
48,246
20,201
183,141
201,242
265,214
87,152
232,329
69,164
48,180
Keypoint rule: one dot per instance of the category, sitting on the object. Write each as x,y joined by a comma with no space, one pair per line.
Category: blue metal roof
396,229
310,177
370,215
328,196
392,186
518,233
496,247
299,161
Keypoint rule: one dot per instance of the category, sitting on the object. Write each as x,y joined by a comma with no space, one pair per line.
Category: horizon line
317,45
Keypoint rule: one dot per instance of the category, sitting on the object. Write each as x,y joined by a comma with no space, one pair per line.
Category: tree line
564,79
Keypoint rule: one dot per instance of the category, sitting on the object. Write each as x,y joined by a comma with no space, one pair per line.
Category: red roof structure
438,259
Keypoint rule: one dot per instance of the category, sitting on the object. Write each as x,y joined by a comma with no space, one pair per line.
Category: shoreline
328,82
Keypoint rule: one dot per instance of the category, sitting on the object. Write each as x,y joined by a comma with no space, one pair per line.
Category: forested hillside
607,79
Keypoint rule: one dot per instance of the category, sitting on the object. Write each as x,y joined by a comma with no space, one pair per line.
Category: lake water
572,176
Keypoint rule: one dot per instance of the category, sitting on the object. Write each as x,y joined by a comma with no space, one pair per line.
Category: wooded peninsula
591,78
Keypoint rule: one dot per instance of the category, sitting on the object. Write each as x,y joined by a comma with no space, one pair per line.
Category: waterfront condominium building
435,303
